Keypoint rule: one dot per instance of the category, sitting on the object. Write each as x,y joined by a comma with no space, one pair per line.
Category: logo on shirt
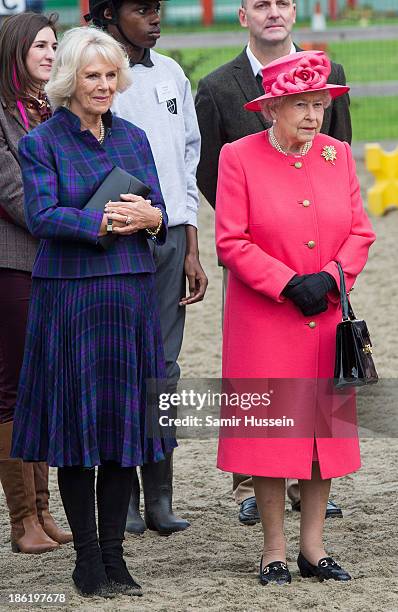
172,106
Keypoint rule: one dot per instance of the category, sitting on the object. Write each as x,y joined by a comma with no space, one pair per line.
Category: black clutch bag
354,365
118,181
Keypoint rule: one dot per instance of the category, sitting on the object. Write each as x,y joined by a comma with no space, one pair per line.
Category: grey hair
77,49
272,104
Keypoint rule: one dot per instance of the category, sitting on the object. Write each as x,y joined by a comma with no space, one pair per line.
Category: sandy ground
213,565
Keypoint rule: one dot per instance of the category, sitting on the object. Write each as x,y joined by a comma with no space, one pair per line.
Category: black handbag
118,181
354,365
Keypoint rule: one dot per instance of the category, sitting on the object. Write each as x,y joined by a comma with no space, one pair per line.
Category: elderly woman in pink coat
288,208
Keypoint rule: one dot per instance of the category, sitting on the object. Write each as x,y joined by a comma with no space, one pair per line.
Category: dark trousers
170,288
15,286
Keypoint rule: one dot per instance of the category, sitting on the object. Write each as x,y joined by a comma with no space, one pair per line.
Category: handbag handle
346,308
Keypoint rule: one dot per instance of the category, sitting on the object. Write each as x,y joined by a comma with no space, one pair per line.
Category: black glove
309,290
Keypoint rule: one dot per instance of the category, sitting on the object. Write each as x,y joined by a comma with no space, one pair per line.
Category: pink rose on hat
309,73
300,72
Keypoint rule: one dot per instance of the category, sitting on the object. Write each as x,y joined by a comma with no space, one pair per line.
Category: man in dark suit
222,118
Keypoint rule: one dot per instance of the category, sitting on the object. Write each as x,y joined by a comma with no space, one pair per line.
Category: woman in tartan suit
93,331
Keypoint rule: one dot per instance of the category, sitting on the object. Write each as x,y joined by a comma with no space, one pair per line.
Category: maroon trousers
15,286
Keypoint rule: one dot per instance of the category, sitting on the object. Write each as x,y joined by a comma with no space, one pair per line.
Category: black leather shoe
274,572
248,513
327,569
333,511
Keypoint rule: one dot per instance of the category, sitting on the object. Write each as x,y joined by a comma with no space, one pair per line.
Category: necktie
259,80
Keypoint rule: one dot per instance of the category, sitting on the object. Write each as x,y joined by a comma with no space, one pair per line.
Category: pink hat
305,71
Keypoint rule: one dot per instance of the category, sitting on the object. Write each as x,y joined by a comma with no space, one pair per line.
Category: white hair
78,47
272,104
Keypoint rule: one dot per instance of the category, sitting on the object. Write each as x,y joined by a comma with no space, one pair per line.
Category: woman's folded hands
308,292
132,213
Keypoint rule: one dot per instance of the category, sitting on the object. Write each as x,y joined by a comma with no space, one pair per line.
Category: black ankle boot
113,493
89,574
157,479
76,486
135,523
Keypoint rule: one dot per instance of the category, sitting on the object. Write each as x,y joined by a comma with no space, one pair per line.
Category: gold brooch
329,153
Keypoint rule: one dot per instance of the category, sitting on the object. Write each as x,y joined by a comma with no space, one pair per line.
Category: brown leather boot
18,483
46,520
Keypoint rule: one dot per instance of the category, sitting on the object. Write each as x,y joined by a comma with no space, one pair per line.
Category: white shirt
160,102
257,67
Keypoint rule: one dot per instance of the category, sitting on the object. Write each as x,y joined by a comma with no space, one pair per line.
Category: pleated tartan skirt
91,345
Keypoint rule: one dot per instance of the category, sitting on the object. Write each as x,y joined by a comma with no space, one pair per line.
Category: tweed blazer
222,118
17,247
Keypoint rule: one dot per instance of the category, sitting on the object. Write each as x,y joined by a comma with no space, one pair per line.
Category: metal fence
189,12
369,54
369,57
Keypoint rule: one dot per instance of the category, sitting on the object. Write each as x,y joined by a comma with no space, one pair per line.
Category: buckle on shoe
328,562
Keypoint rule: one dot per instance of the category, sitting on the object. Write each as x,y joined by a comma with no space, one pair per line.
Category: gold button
306,203
311,244
298,165
312,324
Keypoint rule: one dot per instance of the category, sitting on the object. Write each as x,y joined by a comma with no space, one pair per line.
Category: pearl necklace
102,133
101,136
303,150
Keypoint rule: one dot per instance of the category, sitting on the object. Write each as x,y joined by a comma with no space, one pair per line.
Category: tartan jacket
62,167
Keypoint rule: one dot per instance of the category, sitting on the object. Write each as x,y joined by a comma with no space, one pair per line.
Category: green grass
198,62
367,60
375,119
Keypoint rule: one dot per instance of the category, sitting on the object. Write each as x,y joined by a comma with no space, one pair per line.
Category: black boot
135,523
113,493
76,486
157,480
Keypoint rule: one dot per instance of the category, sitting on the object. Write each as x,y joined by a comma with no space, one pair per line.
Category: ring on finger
129,220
